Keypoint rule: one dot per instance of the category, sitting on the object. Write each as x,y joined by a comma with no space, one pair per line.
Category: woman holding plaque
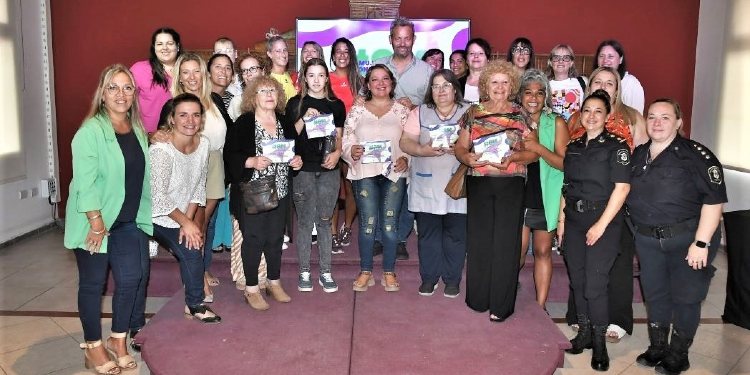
428,137
377,168
318,118
263,232
495,188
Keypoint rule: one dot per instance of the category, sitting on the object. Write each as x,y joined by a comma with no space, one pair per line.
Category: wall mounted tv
370,36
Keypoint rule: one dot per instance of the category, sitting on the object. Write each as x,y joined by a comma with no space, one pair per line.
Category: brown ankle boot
256,301
277,292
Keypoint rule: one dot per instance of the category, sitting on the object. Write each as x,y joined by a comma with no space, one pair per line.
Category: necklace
450,113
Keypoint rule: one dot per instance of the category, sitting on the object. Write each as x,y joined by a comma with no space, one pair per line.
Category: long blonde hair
177,88
97,104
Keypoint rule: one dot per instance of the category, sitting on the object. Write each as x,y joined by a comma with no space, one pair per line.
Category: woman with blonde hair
263,106
494,190
108,215
567,86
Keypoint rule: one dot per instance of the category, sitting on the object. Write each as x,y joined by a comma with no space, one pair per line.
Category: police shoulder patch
714,175
623,156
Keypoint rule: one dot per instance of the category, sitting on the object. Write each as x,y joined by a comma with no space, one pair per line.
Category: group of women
570,177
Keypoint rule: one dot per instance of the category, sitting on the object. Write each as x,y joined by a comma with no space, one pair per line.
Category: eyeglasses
442,86
226,51
558,58
521,51
251,69
266,92
126,90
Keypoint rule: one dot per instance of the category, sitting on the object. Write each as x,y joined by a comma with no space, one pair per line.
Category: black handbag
259,195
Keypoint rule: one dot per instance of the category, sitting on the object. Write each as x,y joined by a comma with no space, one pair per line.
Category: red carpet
346,333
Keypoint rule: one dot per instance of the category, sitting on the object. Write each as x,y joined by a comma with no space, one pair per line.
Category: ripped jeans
379,205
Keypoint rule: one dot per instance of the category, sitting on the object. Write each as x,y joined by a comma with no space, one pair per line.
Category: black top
135,168
238,146
592,170
533,196
675,185
311,150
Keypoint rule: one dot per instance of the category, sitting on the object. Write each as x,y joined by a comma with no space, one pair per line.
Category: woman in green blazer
108,215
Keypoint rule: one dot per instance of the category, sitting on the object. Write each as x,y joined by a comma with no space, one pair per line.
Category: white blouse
177,180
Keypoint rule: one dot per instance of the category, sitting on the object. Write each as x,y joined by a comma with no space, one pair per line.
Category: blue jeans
191,263
123,254
405,221
379,204
138,318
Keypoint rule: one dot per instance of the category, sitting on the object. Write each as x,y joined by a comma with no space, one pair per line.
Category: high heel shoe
276,291
363,281
390,282
256,301
126,362
106,368
202,313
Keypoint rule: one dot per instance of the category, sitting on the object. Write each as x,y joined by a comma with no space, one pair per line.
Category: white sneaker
286,238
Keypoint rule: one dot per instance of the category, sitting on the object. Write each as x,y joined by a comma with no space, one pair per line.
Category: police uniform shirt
675,185
592,170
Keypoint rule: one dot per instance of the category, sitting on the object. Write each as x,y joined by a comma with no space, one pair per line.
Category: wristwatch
701,244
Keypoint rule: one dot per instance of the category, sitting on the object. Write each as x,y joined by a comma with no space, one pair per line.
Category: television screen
370,36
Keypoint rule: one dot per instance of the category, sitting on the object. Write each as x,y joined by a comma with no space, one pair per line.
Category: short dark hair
368,93
600,95
524,42
448,75
169,108
216,56
622,68
432,52
482,43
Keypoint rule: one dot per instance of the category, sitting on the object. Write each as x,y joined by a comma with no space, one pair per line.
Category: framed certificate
444,135
493,148
320,126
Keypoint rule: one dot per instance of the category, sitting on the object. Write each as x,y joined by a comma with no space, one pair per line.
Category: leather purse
259,195
456,186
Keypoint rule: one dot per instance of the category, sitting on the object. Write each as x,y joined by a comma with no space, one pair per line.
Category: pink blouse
151,97
363,126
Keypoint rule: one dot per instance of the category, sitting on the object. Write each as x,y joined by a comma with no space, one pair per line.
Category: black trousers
589,266
494,213
620,289
674,290
263,233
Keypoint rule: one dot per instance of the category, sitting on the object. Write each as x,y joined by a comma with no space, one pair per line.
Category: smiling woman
108,216
153,77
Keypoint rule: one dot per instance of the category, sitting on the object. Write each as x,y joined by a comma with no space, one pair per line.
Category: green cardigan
551,178
99,181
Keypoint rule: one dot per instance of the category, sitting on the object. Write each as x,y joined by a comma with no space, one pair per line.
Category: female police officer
676,202
595,185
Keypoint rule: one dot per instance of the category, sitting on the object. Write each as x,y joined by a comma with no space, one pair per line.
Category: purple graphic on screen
370,36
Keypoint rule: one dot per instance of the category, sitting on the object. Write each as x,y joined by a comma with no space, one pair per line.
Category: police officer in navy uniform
676,200
597,172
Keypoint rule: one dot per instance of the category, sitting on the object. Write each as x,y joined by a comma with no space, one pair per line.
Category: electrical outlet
48,189
23,194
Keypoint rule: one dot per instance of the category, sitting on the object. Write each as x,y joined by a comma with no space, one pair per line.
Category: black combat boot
583,338
600,357
676,360
658,335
